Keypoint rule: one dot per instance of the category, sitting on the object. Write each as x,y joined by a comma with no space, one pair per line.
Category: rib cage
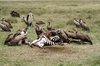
43,40
47,41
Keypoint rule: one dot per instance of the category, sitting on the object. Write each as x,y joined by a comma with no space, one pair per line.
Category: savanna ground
61,15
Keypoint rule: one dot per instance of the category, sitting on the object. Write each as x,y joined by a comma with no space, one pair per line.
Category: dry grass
61,15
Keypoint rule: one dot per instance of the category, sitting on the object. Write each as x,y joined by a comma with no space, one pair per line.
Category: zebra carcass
43,40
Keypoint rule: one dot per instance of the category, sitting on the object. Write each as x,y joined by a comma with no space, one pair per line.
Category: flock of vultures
59,36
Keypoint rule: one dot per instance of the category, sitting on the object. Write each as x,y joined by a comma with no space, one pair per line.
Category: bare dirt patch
56,49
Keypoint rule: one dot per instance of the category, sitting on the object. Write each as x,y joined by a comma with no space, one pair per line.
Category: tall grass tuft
95,61
70,22
60,64
12,20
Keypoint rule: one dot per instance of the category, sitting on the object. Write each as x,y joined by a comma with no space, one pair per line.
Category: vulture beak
58,31
36,25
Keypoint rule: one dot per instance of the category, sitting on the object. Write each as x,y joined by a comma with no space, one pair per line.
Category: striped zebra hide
42,41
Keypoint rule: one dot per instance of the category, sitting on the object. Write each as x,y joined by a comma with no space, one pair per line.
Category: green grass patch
61,15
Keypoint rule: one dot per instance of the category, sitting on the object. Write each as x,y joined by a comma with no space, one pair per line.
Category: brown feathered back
14,14
40,22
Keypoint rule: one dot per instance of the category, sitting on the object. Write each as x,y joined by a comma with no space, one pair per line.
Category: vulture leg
71,39
32,27
20,42
82,42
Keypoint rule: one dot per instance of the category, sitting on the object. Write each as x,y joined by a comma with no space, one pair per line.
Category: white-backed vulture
6,23
83,25
49,27
71,34
77,35
53,31
14,14
62,35
83,37
40,22
38,30
22,31
76,22
9,38
4,27
17,39
12,36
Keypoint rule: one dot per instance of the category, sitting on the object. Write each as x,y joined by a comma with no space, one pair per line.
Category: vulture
53,32
38,30
9,38
4,27
49,27
17,37
40,22
6,23
16,40
71,34
77,35
14,14
22,31
83,25
62,35
76,22
83,37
